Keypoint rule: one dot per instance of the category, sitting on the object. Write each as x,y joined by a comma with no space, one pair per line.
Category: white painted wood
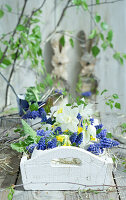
35,123
40,173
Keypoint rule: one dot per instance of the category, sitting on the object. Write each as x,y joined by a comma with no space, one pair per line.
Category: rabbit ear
82,39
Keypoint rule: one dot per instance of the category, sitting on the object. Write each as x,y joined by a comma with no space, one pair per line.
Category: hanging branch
16,54
97,4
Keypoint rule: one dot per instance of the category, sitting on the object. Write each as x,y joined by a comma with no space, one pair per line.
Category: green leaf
97,18
104,45
124,56
10,196
102,36
110,36
36,20
93,34
34,106
29,131
6,61
116,55
109,135
117,105
115,96
8,7
95,51
71,42
121,60
104,26
1,13
20,27
62,41
85,6
32,94
123,125
105,90
20,147
97,1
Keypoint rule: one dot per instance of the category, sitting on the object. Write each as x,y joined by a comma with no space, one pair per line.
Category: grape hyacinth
108,143
40,132
102,134
79,139
95,148
86,94
58,91
58,131
79,117
42,114
31,147
73,137
91,120
98,126
41,144
52,144
31,114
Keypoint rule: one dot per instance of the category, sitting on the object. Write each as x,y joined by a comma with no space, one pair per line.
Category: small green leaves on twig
9,9
11,192
71,42
62,41
1,13
95,51
110,100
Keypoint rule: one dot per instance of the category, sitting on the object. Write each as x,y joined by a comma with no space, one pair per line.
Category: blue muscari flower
108,143
52,144
102,134
58,131
48,133
79,117
49,121
31,147
95,148
86,94
98,126
73,137
31,114
58,91
40,132
42,114
41,144
79,139
91,120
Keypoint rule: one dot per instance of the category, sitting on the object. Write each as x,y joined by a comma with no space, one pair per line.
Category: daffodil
68,119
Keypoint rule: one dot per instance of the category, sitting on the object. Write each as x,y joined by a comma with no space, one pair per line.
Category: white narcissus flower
68,118
91,131
85,111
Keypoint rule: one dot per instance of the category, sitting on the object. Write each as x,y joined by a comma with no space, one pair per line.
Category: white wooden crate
42,172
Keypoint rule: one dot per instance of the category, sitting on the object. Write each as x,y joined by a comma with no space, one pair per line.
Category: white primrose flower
67,117
95,122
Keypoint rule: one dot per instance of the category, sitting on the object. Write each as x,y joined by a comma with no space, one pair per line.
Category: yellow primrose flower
80,129
92,138
66,130
60,138
64,145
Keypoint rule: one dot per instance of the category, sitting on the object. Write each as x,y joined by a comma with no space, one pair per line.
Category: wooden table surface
10,172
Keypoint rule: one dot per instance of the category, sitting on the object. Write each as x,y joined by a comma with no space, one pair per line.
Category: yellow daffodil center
60,138
66,130
60,110
53,126
80,129
92,138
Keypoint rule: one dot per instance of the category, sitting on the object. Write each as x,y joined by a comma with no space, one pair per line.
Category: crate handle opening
66,162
